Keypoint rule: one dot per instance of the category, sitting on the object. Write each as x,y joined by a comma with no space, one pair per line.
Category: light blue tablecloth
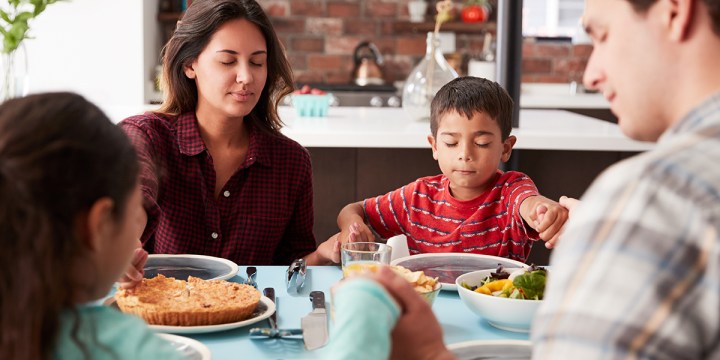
458,322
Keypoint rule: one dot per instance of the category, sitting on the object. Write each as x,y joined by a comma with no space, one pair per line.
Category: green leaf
24,16
532,284
5,16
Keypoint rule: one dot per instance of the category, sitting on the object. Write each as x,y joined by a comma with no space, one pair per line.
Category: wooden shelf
455,26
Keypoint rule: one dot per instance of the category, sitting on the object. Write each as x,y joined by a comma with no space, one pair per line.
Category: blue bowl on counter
311,105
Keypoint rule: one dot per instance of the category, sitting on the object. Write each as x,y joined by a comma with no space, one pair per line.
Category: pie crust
167,301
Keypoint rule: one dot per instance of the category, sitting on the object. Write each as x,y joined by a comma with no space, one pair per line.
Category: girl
70,207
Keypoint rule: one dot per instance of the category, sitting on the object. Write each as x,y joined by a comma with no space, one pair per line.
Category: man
637,272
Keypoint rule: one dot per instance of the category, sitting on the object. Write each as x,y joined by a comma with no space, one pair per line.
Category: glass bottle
14,74
426,79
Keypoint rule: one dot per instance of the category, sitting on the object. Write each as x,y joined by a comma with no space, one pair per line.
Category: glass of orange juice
359,256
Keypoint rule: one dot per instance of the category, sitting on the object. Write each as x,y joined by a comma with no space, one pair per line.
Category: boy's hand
357,232
547,217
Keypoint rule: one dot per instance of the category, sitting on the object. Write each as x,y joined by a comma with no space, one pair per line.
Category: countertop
559,96
366,127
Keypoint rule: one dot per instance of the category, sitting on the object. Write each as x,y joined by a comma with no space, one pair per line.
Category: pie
168,301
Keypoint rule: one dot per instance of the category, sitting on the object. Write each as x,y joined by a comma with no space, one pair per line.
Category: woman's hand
134,274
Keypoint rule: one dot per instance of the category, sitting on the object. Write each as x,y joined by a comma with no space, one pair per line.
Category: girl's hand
134,274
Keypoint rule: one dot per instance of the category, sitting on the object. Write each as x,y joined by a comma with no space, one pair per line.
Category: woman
218,178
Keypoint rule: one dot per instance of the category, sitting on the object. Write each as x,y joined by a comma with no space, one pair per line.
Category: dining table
458,322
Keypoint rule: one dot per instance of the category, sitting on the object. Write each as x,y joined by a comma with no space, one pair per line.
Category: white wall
96,48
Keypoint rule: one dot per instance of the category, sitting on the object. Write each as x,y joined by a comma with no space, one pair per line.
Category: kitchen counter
366,127
559,96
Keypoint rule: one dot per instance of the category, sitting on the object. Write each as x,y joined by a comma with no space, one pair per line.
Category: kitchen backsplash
320,36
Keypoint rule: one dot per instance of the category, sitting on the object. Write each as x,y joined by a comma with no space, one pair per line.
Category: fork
251,276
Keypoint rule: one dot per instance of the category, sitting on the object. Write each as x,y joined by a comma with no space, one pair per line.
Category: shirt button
214,235
226,193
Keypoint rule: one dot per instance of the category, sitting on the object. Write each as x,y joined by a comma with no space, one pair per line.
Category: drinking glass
360,256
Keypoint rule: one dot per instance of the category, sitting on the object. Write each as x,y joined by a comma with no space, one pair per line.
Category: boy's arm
351,221
547,217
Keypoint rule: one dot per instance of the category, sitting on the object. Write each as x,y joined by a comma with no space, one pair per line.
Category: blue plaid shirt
637,271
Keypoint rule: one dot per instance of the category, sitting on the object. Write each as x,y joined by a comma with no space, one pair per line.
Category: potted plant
14,28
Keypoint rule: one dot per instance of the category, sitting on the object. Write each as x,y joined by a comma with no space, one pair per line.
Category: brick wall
320,36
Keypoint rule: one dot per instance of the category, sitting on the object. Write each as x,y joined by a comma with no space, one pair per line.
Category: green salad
526,284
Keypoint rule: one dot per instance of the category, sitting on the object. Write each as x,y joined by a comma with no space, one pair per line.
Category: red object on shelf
474,13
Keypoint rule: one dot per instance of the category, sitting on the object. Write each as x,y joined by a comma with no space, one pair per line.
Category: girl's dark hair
469,95
193,33
642,6
59,154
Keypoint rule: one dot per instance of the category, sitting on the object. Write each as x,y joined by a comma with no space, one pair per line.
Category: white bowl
502,313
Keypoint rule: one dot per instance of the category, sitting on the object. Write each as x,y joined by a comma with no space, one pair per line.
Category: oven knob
287,100
334,100
376,101
394,101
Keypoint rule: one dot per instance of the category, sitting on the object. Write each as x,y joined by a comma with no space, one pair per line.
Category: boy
472,206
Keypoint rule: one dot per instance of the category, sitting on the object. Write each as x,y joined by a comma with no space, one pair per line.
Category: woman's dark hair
469,95
59,154
642,6
193,33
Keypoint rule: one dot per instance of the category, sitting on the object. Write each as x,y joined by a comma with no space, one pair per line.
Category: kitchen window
552,18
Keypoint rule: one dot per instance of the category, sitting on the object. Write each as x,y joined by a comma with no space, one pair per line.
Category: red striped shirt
435,222
264,214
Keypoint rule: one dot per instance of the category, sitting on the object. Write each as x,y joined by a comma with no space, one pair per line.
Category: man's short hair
642,6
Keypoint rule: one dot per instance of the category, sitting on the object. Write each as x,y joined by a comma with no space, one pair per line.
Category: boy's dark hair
469,95
201,20
642,6
59,154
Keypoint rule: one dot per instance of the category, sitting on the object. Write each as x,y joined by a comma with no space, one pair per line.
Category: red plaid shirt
264,214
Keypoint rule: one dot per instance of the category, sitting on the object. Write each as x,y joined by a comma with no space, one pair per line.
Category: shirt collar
191,143
703,115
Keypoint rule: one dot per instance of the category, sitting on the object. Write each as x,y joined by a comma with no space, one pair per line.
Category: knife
314,324
270,294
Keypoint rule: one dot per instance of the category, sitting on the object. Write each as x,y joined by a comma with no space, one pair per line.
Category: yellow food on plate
168,301
418,279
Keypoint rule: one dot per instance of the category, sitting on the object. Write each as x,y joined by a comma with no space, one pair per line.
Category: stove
356,95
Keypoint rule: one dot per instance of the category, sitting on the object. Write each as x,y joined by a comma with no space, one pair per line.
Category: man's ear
507,147
433,145
97,224
678,16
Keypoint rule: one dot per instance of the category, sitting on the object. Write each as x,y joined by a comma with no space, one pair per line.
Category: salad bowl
511,314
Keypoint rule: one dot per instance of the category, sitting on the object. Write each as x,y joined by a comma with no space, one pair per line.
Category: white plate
189,348
492,349
264,309
448,266
182,266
